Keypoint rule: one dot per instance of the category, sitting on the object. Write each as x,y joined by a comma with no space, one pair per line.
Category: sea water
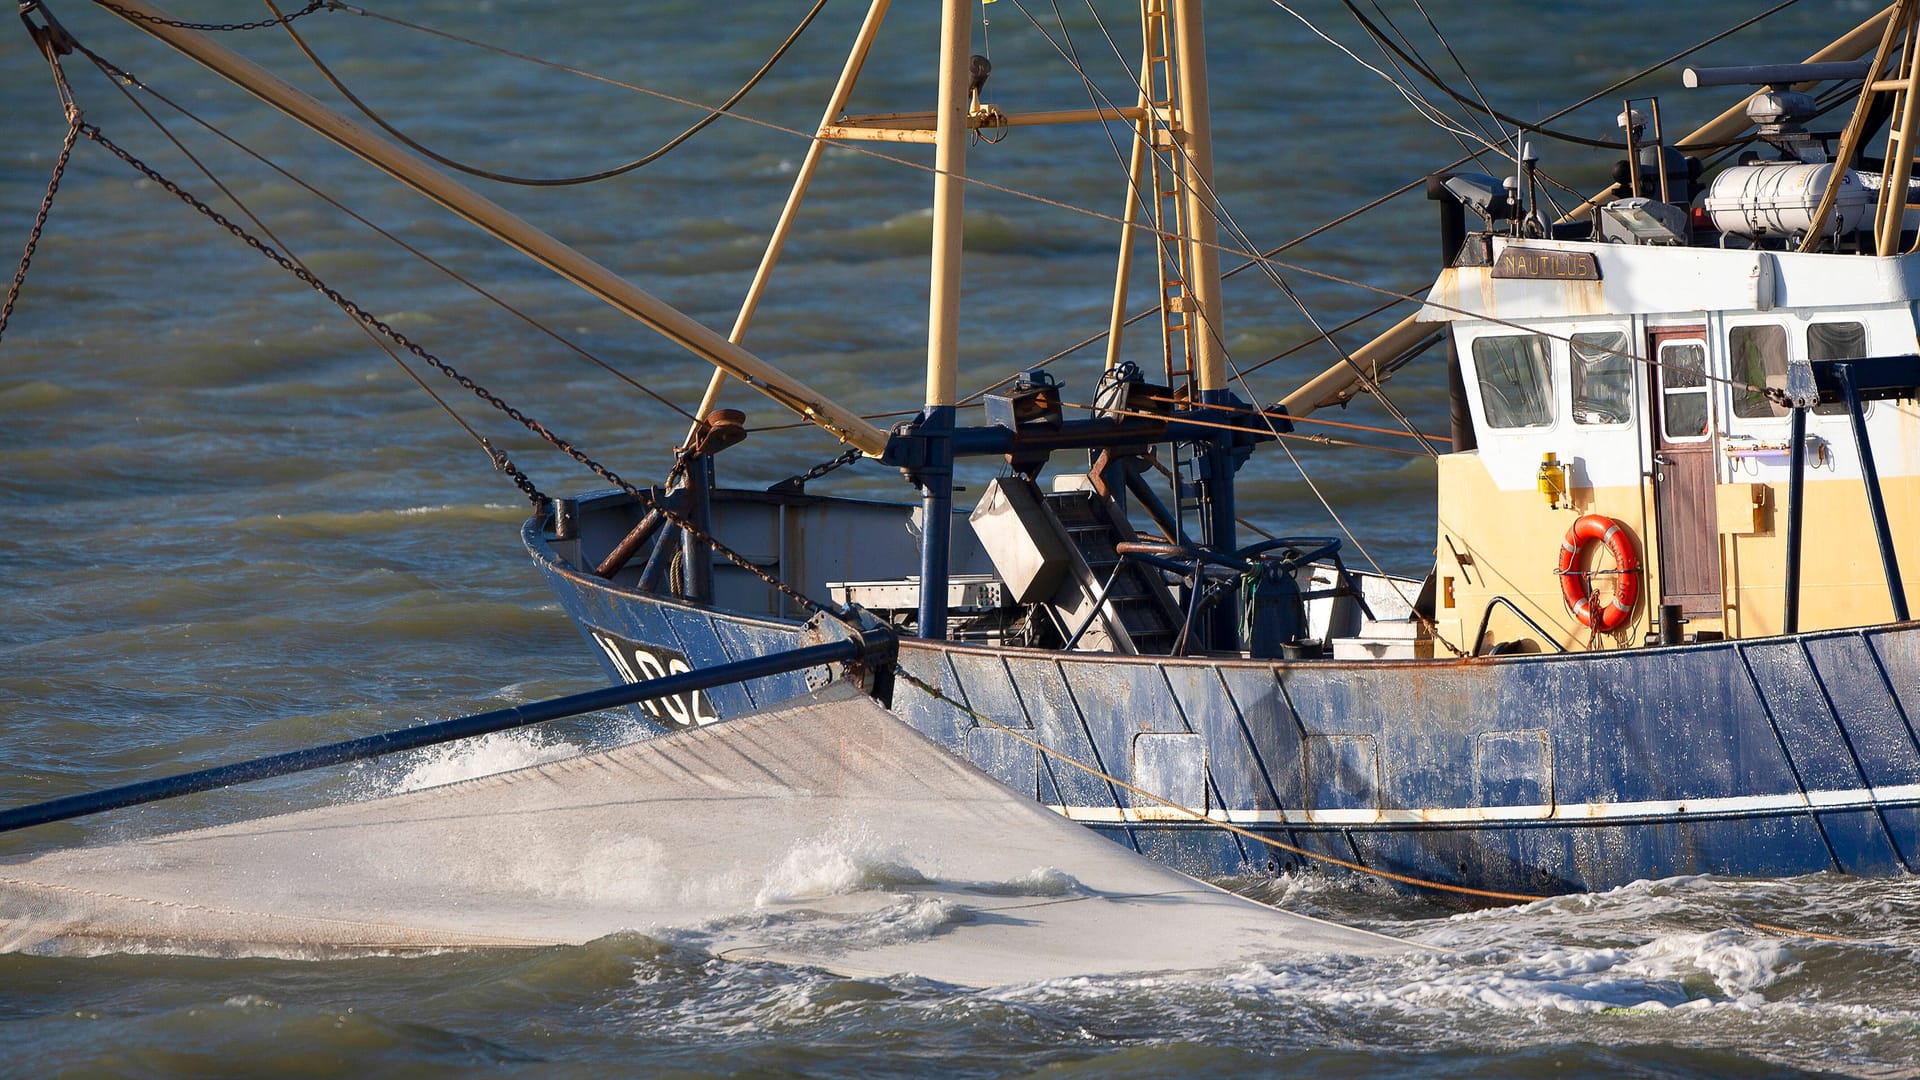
235,527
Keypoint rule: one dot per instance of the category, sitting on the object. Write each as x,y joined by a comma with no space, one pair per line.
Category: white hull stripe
1897,795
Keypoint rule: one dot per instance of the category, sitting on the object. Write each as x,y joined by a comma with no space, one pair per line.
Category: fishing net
823,831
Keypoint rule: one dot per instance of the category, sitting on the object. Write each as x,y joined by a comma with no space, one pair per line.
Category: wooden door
1683,471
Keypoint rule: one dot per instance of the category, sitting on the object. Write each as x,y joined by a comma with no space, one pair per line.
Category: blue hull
1529,774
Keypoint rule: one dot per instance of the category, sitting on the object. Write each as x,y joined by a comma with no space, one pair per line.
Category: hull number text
638,663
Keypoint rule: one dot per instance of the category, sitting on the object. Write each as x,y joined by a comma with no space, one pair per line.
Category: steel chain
40,221
499,458
504,464
182,24
798,481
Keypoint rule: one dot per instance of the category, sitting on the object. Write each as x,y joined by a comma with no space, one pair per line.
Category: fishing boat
1665,630
1661,374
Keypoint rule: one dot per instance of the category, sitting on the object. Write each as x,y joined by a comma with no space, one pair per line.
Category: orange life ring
1577,585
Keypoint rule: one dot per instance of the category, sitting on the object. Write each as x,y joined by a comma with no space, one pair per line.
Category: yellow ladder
1890,214
1160,127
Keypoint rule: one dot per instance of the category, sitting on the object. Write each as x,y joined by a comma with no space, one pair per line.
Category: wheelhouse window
1602,378
1516,380
1683,389
1836,341
1758,357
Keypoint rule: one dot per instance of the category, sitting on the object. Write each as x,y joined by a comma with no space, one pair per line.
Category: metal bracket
871,668
52,38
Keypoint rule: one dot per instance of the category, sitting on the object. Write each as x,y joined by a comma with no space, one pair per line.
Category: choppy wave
830,866
237,529
381,520
449,763
909,233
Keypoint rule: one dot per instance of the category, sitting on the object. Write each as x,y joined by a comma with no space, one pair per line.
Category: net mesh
823,831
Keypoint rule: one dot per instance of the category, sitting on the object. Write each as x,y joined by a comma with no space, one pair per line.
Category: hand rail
1487,617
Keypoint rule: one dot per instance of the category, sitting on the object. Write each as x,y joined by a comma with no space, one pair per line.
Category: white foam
450,763
1719,969
1040,881
1738,964
833,867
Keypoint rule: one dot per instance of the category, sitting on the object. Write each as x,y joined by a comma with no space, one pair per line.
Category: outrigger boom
510,229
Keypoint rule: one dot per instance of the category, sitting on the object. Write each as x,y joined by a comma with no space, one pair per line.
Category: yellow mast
842,91
949,204
1205,337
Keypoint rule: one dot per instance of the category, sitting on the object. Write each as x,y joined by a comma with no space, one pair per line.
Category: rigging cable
1413,185
1217,210
40,220
1420,105
1444,43
1323,440
1563,136
1427,621
1241,410
117,75
1297,346
1432,628
1254,258
1221,216
520,479
1486,137
986,32
121,85
1251,259
372,322
52,40
1271,265
1248,264
1213,207
1495,141
538,181
183,24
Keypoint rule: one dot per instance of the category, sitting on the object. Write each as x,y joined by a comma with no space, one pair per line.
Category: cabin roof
1647,280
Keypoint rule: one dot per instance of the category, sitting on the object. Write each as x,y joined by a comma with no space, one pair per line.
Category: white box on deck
1018,534
1389,640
